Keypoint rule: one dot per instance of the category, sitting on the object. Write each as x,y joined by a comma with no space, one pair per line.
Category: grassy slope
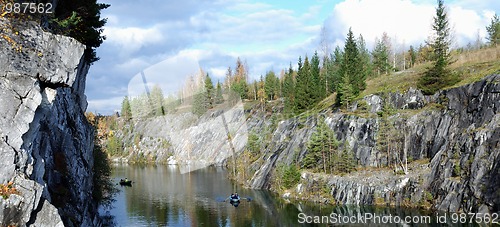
471,66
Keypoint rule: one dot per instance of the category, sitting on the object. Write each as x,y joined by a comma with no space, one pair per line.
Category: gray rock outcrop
46,142
457,130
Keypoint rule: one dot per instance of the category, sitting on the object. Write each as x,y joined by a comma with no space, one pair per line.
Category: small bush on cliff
287,176
7,190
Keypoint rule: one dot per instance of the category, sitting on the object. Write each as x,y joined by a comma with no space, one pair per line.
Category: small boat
125,182
235,202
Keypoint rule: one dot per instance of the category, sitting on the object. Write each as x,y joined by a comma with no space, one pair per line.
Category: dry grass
398,81
471,66
477,56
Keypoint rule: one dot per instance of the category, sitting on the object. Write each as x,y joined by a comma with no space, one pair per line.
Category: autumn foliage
8,189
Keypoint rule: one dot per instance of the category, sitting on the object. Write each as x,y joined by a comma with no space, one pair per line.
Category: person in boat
235,196
126,182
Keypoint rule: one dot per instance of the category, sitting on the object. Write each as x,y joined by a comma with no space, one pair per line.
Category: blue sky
168,40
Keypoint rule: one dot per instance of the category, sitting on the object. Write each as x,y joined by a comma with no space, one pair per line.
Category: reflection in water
162,196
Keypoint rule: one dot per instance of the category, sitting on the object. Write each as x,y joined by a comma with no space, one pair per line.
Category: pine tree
494,31
218,94
438,76
209,92
126,112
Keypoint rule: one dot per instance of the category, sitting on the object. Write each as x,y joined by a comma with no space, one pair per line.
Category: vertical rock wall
46,142
458,130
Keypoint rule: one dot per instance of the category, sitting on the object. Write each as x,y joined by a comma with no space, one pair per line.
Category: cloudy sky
162,41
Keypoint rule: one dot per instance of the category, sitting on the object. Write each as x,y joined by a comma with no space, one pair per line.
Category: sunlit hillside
471,66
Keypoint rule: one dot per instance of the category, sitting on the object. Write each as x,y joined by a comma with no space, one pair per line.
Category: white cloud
467,23
213,34
407,20
131,39
218,73
371,18
109,105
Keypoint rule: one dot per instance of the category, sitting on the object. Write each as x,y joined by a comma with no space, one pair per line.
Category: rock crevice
47,142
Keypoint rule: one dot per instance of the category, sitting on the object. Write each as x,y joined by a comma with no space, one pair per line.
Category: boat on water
235,202
125,182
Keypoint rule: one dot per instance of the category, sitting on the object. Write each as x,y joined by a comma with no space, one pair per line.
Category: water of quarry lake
162,196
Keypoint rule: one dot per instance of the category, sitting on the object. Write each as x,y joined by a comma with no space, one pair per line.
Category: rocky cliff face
46,142
451,141
185,138
458,130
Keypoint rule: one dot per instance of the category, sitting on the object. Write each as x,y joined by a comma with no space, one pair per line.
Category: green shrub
456,170
288,175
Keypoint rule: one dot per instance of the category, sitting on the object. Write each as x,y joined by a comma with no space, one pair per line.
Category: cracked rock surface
460,138
45,140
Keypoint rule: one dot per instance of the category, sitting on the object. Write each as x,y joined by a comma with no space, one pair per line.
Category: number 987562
27,8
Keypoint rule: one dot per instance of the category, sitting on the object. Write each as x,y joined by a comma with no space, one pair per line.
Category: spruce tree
336,59
347,160
277,88
346,92
321,148
209,92
270,85
380,58
494,31
289,90
413,55
126,112
303,96
199,106
261,93
89,28
438,76
218,94
364,63
352,81
317,93
157,99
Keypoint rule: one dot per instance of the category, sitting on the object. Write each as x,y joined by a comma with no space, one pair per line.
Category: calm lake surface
162,196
